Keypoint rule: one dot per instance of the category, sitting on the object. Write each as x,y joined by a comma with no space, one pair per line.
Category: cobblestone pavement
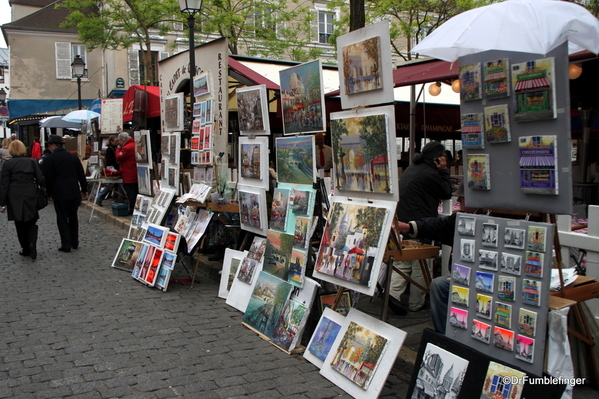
72,326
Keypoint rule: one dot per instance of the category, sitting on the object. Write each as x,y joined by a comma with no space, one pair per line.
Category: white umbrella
529,26
80,116
56,121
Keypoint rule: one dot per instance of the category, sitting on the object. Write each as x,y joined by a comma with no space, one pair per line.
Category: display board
516,128
499,293
112,115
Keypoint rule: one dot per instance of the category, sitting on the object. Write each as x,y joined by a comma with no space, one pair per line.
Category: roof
47,18
39,3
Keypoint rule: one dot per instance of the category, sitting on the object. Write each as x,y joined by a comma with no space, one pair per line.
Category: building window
65,53
263,22
325,26
1,74
145,75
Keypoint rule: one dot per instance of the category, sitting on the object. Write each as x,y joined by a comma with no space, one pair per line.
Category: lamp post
2,96
191,8
78,67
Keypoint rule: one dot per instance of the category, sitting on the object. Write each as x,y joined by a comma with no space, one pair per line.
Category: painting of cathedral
440,375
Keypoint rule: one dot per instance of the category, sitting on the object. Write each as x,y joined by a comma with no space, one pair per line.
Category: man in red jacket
125,155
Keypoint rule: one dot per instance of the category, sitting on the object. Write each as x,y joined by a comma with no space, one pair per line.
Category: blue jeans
439,302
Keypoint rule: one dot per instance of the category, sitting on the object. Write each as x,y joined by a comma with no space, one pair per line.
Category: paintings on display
495,382
252,110
478,172
173,112
143,147
362,148
144,178
472,131
362,355
127,255
324,336
302,98
533,85
231,262
538,164
296,161
365,73
250,265
438,371
497,78
497,124
353,243
202,85
470,82
253,161
253,215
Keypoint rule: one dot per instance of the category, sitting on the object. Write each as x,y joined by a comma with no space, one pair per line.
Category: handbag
42,198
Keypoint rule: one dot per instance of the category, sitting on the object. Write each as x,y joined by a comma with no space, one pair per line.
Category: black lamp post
2,97
78,67
191,8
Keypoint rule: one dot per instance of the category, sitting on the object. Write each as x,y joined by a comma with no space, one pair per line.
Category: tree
118,24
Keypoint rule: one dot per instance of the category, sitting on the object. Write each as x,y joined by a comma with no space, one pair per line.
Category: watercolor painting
470,82
302,98
525,348
531,292
252,110
484,306
487,259
289,324
277,255
439,370
533,84
201,85
300,235
527,322
361,66
458,318
127,255
460,274
252,209
478,175
324,335
156,235
503,314
495,385
299,202
253,161
496,78
534,264
297,267
466,225
269,296
472,131
296,163
506,288
460,295
481,331
278,211
536,238
538,165
497,124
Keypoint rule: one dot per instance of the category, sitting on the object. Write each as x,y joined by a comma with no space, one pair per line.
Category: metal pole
192,57
79,92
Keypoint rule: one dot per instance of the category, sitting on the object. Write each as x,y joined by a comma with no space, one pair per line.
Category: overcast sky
4,18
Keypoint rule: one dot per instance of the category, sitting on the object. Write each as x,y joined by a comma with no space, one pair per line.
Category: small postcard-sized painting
201,85
470,82
525,348
142,143
514,238
481,331
324,335
296,163
533,85
359,346
143,262
197,110
288,325
164,276
156,235
152,274
484,282
252,110
300,235
467,250
472,131
527,322
246,270
497,124
208,109
506,288
195,130
490,234
277,255
299,201
466,225
534,264
297,267
488,259
278,211
195,158
494,386
503,314
438,362
231,262
250,158
257,248
538,165
361,66
536,238
327,301
503,339
460,274
479,175
127,255
460,295
497,82
484,306
168,260
207,137
511,263
302,98
531,292
266,303
458,318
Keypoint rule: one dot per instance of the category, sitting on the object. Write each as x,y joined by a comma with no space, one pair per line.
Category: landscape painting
296,163
302,98
266,303
277,255
278,211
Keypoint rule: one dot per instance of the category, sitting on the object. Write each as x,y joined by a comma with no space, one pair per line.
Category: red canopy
153,103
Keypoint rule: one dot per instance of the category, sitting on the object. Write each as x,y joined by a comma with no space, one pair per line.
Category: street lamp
78,67
2,96
191,8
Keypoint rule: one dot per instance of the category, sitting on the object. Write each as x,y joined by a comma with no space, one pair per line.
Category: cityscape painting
296,163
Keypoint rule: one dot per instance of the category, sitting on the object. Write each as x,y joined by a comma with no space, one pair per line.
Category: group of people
62,174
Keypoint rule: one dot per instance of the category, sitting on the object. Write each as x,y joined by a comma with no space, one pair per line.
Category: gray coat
17,188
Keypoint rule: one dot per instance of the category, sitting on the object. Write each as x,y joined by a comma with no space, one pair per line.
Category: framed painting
362,152
478,172
302,98
538,165
208,111
297,267
173,112
252,110
127,255
324,335
365,67
450,366
278,210
172,241
277,256
472,130
353,243
231,262
144,179
533,85
163,278
493,386
299,214
253,161
168,260
197,110
327,301
375,343
470,82
296,162
253,214
202,85
152,273
143,151
290,325
156,235
497,78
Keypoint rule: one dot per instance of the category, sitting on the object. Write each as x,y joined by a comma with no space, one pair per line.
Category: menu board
112,115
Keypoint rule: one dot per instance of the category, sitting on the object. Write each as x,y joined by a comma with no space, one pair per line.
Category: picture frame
327,301
202,85
541,71
470,82
302,98
144,178
156,235
253,214
324,336
231,262
143,147
252,110
171,243
296,160
126,255
173,112
446,363
253,162
240,291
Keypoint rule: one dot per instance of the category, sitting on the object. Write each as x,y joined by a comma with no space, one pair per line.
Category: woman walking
18,192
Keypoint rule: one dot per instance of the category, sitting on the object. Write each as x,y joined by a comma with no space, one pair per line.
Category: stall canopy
133,103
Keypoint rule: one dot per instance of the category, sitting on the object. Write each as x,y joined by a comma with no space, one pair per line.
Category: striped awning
532,84
495,76
471,129
537,161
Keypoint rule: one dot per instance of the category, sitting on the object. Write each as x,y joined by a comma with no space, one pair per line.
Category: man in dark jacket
67,186
421,187
125,155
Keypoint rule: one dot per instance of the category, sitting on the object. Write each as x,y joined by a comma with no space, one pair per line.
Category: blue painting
484,282
323,338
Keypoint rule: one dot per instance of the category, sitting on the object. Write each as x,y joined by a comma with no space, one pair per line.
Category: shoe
24,253
75,246
33,253
63,249
98,203
397,307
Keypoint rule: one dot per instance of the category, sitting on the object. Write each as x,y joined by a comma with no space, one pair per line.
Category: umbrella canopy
529,26
57,122
80,116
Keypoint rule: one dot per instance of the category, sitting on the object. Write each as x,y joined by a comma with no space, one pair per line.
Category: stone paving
73,327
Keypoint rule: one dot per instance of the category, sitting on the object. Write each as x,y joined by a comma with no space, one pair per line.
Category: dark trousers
27,234
131,189
67,222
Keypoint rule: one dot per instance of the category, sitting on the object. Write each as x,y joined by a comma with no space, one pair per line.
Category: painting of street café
360,153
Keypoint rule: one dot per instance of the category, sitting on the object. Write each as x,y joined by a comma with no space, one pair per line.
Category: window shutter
62,52
133,67
314,34
163,55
